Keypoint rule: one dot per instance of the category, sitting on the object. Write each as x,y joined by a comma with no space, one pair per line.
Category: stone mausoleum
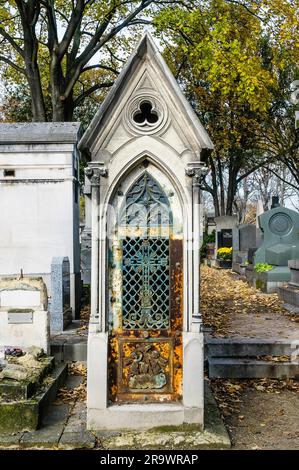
145,343
39,201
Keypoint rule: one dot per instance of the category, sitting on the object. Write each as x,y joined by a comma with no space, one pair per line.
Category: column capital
94,172
196,170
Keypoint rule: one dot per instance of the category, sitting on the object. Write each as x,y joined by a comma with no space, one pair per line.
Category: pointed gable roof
146,47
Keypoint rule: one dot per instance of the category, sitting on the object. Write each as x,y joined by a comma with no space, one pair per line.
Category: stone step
69,352
241,368
289,294
244,347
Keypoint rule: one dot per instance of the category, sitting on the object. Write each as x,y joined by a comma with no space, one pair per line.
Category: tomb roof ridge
146,47
39,132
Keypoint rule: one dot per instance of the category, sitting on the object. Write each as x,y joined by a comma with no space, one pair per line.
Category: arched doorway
145,264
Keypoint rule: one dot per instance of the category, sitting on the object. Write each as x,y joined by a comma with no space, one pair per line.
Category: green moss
181,428
20,310
259,284
19,416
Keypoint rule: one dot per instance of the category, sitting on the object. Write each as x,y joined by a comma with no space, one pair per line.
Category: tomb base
269,281
211,262
137,416
101,416
239,268
240,261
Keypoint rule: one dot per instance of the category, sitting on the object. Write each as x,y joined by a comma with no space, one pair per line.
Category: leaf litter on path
229,305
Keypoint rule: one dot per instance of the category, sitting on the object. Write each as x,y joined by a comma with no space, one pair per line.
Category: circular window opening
145,115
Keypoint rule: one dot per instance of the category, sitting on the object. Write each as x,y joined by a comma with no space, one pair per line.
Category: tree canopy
66,50
235,62
234,59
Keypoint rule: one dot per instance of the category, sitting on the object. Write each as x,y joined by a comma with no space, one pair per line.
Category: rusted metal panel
147,365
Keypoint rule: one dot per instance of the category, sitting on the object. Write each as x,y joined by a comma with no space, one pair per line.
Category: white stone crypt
145,344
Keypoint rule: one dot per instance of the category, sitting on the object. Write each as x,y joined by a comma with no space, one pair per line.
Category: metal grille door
145,284
145,347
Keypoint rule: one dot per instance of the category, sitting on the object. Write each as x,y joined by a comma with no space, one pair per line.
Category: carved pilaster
196,171
94,172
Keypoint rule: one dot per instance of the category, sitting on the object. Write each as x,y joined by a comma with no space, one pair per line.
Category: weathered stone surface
24,319
294,264
21,378
27,368
244,347
289,294
77,440
10,440
182,437
69,346
86,255
18,416
14,390
186,436
39,132
250,368
52,427
35,351
30,284
26,415
280,237
15,372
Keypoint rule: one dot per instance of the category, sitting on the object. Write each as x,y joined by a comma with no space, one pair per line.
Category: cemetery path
236,310
259,414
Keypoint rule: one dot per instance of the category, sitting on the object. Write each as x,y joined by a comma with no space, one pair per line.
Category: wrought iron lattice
145,283
146,205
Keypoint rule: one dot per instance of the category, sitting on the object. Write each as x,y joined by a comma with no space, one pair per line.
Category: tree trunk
215,188
69,108
37,99
33,77
57,84
29,13
222,192
231,191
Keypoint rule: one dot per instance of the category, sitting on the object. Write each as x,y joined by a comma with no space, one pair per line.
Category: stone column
193,340
196,171
86,235
94,172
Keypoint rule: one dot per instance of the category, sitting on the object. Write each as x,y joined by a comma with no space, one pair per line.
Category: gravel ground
260,414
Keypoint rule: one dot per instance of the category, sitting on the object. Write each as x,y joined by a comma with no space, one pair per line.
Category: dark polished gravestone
246,239
225,226
60,310
280,244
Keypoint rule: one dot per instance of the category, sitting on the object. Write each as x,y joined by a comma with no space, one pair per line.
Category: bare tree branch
99,66
12,64
91,90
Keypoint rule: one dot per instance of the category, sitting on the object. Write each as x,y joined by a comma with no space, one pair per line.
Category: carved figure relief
146,368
